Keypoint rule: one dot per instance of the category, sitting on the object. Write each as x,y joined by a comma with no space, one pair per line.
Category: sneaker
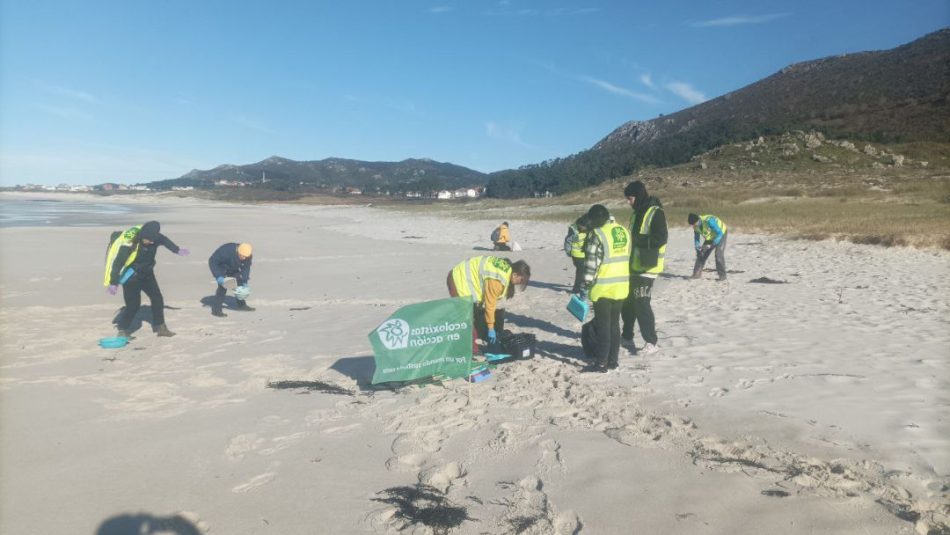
244,308
594,368
649,349
629,345
218,313
124,333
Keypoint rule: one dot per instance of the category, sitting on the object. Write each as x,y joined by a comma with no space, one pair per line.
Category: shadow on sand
144,315
144,523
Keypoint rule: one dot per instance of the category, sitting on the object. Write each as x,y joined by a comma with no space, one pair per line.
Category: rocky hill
282,174
899,95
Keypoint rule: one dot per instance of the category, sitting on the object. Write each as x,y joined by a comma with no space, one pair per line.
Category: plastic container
113,342
126,275
578,307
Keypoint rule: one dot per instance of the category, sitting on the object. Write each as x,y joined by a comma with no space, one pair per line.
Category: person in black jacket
649,234
144,245
230,260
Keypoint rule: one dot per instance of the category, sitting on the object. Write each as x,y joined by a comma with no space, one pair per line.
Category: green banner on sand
424,340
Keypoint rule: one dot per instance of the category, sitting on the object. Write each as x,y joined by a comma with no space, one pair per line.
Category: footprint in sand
241,445
342,429
718,392
255,482
442,477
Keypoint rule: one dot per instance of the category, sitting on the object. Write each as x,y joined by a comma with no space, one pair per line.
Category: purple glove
183,252
113,289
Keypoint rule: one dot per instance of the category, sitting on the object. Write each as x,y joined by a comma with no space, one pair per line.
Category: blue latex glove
113,289
183,252
220,281
492,336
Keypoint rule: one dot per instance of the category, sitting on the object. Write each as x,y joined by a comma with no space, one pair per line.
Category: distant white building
444,195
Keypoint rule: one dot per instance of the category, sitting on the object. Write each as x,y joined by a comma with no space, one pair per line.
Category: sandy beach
818,404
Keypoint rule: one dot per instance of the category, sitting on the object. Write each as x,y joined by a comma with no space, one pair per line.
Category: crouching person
486,280
231,260
607,283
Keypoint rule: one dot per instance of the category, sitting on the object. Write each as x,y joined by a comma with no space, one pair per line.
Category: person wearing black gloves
231,260
649,234
131,263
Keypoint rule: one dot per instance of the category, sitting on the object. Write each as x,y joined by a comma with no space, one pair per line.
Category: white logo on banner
394,334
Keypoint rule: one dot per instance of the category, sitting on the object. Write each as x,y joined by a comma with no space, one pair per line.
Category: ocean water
54,212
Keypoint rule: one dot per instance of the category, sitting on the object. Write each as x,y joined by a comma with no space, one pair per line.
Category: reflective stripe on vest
127,239
645,231
706,231
577,246
613,275
469,275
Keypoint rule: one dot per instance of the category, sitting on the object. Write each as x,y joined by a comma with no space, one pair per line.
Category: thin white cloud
63,112
504,133
251,124
81,164
686,92
737,20
72,94
617,90
647,80
554,12
439,9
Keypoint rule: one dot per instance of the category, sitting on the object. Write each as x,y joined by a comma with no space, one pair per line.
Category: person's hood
150,231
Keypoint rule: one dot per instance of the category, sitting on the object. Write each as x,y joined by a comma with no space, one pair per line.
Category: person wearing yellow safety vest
486,280
131,263
606,282
649,235
574,248
501,238
709,232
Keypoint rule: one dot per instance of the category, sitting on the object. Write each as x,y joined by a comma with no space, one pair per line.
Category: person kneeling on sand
709,233
501,237
606,282
231,260
131,263
486,280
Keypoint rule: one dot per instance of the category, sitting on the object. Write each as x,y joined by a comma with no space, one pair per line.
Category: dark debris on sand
311,386
424,505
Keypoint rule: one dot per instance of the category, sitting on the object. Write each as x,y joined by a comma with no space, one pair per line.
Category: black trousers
703,254
637,309
578,274
218,302
607,325
132,293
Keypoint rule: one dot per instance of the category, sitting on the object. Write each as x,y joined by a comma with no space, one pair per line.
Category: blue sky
140,90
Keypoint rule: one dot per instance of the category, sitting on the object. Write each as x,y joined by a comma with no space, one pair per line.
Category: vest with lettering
577,245
126,239
469,275
613,275
644,230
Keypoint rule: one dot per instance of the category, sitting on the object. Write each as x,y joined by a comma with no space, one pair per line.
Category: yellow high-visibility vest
704,229
577,246
645,231
469,276
613,275
127,239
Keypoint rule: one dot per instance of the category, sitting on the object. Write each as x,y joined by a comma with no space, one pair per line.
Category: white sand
832,388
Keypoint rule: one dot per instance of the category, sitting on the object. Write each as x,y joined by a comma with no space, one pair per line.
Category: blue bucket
578,307
113,342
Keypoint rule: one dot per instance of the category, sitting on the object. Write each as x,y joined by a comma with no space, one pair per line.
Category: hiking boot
649,349
218,314
123,333
244,308
163,331
594,368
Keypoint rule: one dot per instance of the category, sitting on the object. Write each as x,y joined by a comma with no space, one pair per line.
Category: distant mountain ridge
289,175
897,95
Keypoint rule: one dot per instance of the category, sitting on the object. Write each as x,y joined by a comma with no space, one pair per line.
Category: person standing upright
606,282
574,248
131,263
230,260
649,235
709,233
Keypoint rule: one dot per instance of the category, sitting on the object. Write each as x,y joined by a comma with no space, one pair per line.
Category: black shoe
218,313
613,366
593,368
244,308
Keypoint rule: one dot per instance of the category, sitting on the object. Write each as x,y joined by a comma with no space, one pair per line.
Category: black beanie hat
597,216
150,231
635,189
692,218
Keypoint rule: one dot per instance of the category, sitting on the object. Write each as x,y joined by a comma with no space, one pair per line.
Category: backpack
496,234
